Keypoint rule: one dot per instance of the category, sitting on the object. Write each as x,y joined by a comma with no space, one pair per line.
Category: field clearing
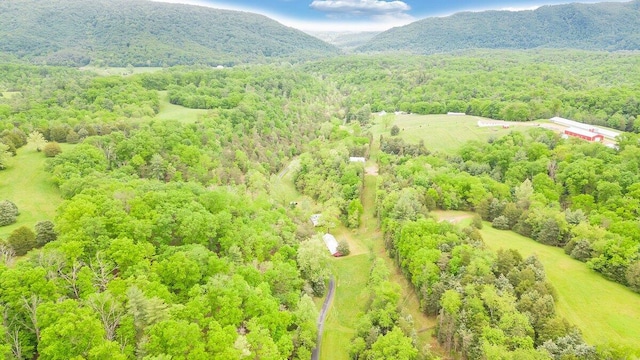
444,133
169,111
605,312
28,185
10,94
109,71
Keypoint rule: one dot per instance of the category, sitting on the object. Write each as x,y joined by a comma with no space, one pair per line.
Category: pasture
28,185
442,133
605,312
169,111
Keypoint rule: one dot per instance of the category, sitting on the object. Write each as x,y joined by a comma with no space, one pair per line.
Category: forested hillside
603,26
145,33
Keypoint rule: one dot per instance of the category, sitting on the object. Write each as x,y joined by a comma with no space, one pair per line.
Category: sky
362,15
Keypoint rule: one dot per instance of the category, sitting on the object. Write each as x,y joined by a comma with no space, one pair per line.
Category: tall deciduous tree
313,260
37,139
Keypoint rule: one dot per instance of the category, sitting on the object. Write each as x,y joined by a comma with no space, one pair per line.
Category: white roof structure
582,132
357,159
315,219
574,124
331,242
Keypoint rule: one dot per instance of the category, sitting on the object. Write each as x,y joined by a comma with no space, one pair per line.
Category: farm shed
583,134
332,244
357,159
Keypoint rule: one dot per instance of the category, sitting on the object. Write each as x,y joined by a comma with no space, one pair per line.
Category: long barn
584,134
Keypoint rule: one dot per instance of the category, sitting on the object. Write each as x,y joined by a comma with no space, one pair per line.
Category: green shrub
343,248
8,213
52,149
22,240
501,223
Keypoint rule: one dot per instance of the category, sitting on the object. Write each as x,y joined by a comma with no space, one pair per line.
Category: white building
332,244
315,219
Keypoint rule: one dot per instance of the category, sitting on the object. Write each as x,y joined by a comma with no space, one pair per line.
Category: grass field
120,70
27,184
440,132
10,94
605,311
169,111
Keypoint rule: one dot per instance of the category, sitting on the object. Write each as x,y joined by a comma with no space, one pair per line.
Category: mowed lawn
444,133
169,111
28,185
351,274
605,312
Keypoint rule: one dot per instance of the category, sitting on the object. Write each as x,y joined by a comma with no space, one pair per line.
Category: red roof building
583,134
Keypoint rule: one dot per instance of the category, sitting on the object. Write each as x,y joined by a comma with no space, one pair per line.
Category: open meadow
605,312
444,133
169,111
29,186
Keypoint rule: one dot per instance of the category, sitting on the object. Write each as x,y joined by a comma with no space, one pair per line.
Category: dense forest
592,87
168,228
144,33
177,237
607,26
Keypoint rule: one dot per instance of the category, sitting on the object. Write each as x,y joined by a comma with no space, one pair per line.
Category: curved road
323,313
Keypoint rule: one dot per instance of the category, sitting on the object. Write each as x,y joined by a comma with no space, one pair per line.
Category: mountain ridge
146,33
600,26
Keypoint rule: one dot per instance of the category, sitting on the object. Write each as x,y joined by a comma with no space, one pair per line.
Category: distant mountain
145,33
346,40
601,26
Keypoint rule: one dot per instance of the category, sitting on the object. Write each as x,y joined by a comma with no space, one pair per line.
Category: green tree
8,213
5,155
37,139
313,261
395,130
343,248
45,233
70,332
22,240
394,345
176,339
52,149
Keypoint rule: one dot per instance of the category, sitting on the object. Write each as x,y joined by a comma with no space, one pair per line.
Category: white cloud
360,7
379,22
